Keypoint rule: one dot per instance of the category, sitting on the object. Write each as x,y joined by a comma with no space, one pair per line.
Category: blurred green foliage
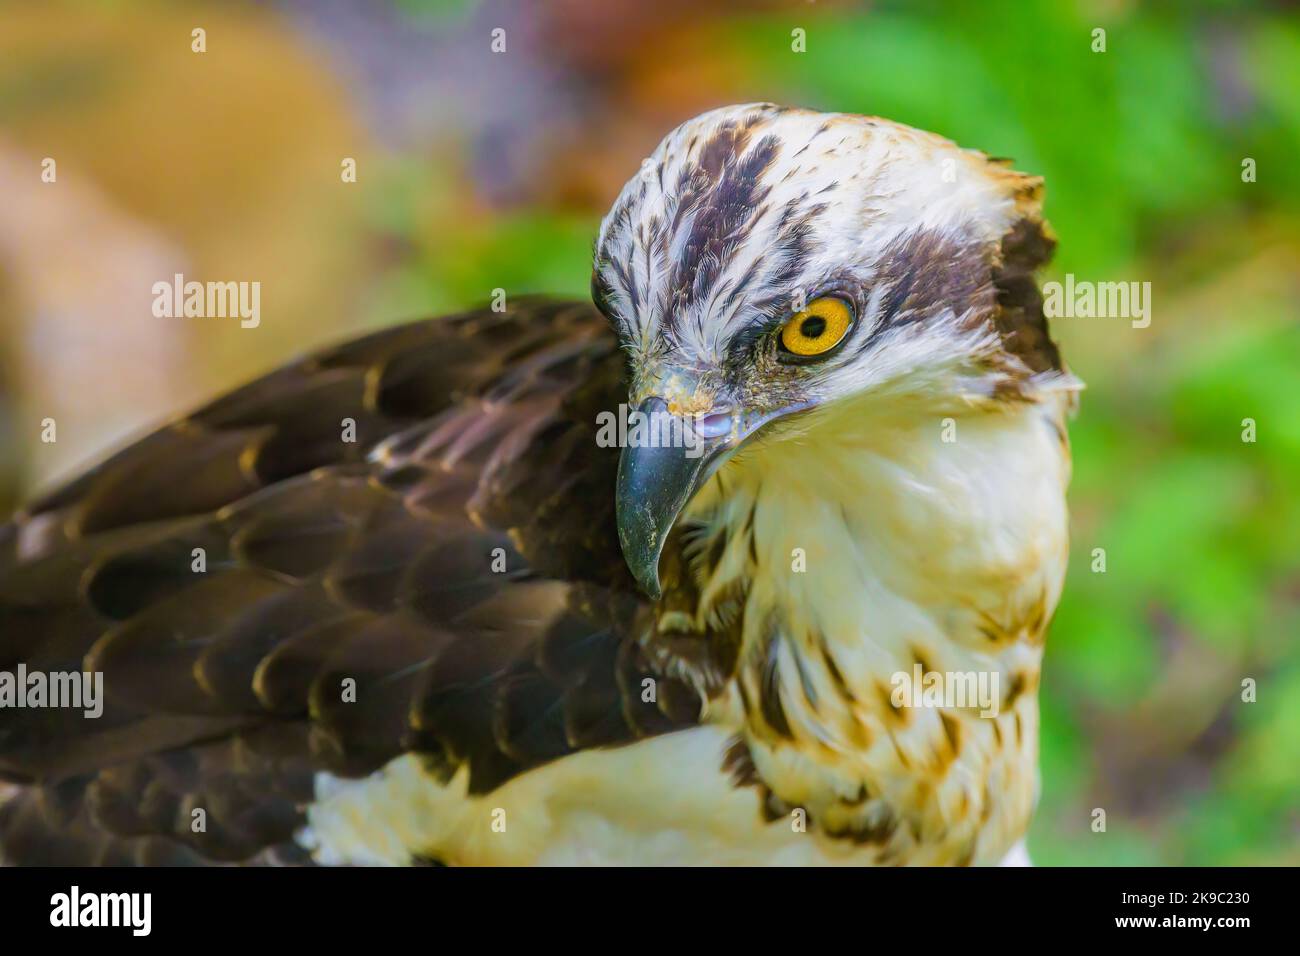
1142,148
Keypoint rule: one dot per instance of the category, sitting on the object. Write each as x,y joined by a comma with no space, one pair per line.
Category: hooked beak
658,478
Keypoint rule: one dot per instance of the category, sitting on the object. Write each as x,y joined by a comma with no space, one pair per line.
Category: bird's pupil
812,327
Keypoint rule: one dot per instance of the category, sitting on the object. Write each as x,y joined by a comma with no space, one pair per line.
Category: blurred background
477,170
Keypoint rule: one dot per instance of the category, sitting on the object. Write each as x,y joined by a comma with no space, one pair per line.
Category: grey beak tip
640,545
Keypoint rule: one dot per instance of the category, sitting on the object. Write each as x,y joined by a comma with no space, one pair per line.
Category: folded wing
267,599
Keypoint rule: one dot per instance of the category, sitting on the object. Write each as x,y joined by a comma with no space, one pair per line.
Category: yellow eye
819,327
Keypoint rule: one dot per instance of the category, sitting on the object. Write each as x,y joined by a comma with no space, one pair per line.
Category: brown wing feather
329,562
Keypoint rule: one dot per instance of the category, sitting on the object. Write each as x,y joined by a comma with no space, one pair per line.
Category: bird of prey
476,630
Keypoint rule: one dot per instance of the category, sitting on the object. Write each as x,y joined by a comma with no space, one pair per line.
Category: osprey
398,603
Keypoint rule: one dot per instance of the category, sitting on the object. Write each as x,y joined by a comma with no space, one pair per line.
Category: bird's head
768,266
